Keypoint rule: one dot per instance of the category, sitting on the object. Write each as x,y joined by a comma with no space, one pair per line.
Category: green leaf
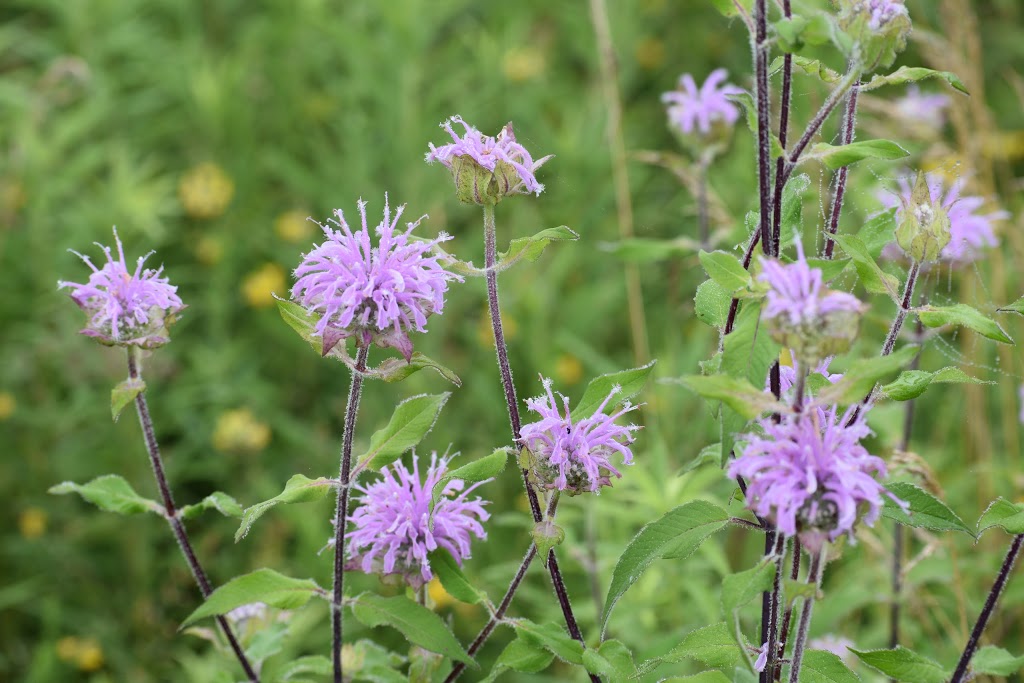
902,664
397,369
523,656
830,268
1006,515
123,394
454,581
738,394
676,534
862,376
620,657
302,322
795,33
1016,307
594,663
713,645
412,420
907,74
812,67
310,664
708,454
418,624
820,666
711,304
837,156
926,511
299,489
726,270
530,248
912,383
995,661
218,500
746,100
878,231
552,637
111,493
262,585
703,677
740,588
875,280
728,7
965,316
792,210
486,467
630,383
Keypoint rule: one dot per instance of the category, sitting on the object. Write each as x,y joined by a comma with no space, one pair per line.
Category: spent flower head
690,108
376,294
396,527
879,29
126,308
486,169
574,456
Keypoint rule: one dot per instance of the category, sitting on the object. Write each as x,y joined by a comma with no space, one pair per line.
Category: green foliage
837,156
864,374
418,624
874,279
630,383
995,661
923,510
908,74
454,581
964,316
484,468
1003,514
218,500
299,489
263,585
739,394
825,667
712,303
726,270
412,420
912,383
902,664
123,394
111,493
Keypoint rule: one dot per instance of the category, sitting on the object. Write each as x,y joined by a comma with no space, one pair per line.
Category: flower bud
878,30
924,229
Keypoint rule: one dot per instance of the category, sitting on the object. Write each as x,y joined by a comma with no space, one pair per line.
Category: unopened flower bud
924,227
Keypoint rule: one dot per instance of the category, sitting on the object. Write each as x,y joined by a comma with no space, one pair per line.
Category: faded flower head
487,169
125,308
879,29
377,294
881,12
969,230
574,456
922,109
690,108
395,527
808,473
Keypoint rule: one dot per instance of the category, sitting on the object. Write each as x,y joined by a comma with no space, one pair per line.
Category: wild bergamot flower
575,456
690,108
487,169
396,527
125,308
376,294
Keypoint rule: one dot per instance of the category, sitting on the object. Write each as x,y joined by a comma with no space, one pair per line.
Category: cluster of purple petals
122,304
377,293
797,294
395,527
809,472
881,12
487,151
970,231
691,108
919,107
578,453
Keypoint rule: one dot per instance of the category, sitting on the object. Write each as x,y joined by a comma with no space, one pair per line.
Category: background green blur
210,131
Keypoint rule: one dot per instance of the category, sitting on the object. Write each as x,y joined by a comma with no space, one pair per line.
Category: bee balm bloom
395,527
690,108
376,294
125,308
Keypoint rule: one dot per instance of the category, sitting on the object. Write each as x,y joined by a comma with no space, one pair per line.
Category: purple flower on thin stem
809,473
377,293
691,108
125,308
919,108
396,528
485,168
970,231
575,456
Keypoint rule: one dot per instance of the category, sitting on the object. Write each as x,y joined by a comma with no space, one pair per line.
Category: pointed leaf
262,585
419,625
863,375
1006,515
630,383
299,489
530,248
874,279
726,270
740,588
703,677
737,393
820,666
111,493
925,511
481,469
552,637
965,316
908,74
123,394
711,304
878,231
995,661
619,656
412,420
454,581
837,156
396,369
912,383
902,664
302,322
812,67
1016,307
830,268
523,656
713,645
218,500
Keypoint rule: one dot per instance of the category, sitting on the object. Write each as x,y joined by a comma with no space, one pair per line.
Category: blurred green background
210,131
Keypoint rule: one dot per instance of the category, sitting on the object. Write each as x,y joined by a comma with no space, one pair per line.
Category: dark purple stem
764,148
490,259
341,513
780,162
849,125
773,622
787,620
171,513
813,578
986,612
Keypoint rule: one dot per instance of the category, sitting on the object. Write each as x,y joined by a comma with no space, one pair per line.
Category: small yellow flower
209,250
68,648
259,285
485,334
523,63
7,405
650,53
438,595
239,431
294,226
205,191
32,523
90,656
568,369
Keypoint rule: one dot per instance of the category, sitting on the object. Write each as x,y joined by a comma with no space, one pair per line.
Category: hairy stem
341,513
772,643
764,147
814,578
780,161
171,513
986,612
787,620
849,124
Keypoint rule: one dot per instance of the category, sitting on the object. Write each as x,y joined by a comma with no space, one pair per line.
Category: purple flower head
125,308
918,108
809,473
969,231
373,293
486,169
395,527
575,456
691,108
881,12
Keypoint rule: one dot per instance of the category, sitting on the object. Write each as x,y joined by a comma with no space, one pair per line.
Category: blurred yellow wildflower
650,53
209,250
85,653
294,226
486,335
568,369
951,168
1005,145
205,190
32,522
7,405
523,63
438,595
259,285
238,431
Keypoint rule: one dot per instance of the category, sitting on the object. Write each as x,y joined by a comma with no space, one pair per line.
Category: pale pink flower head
690,108
575,456
882,12
376,294
125,308
396,527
